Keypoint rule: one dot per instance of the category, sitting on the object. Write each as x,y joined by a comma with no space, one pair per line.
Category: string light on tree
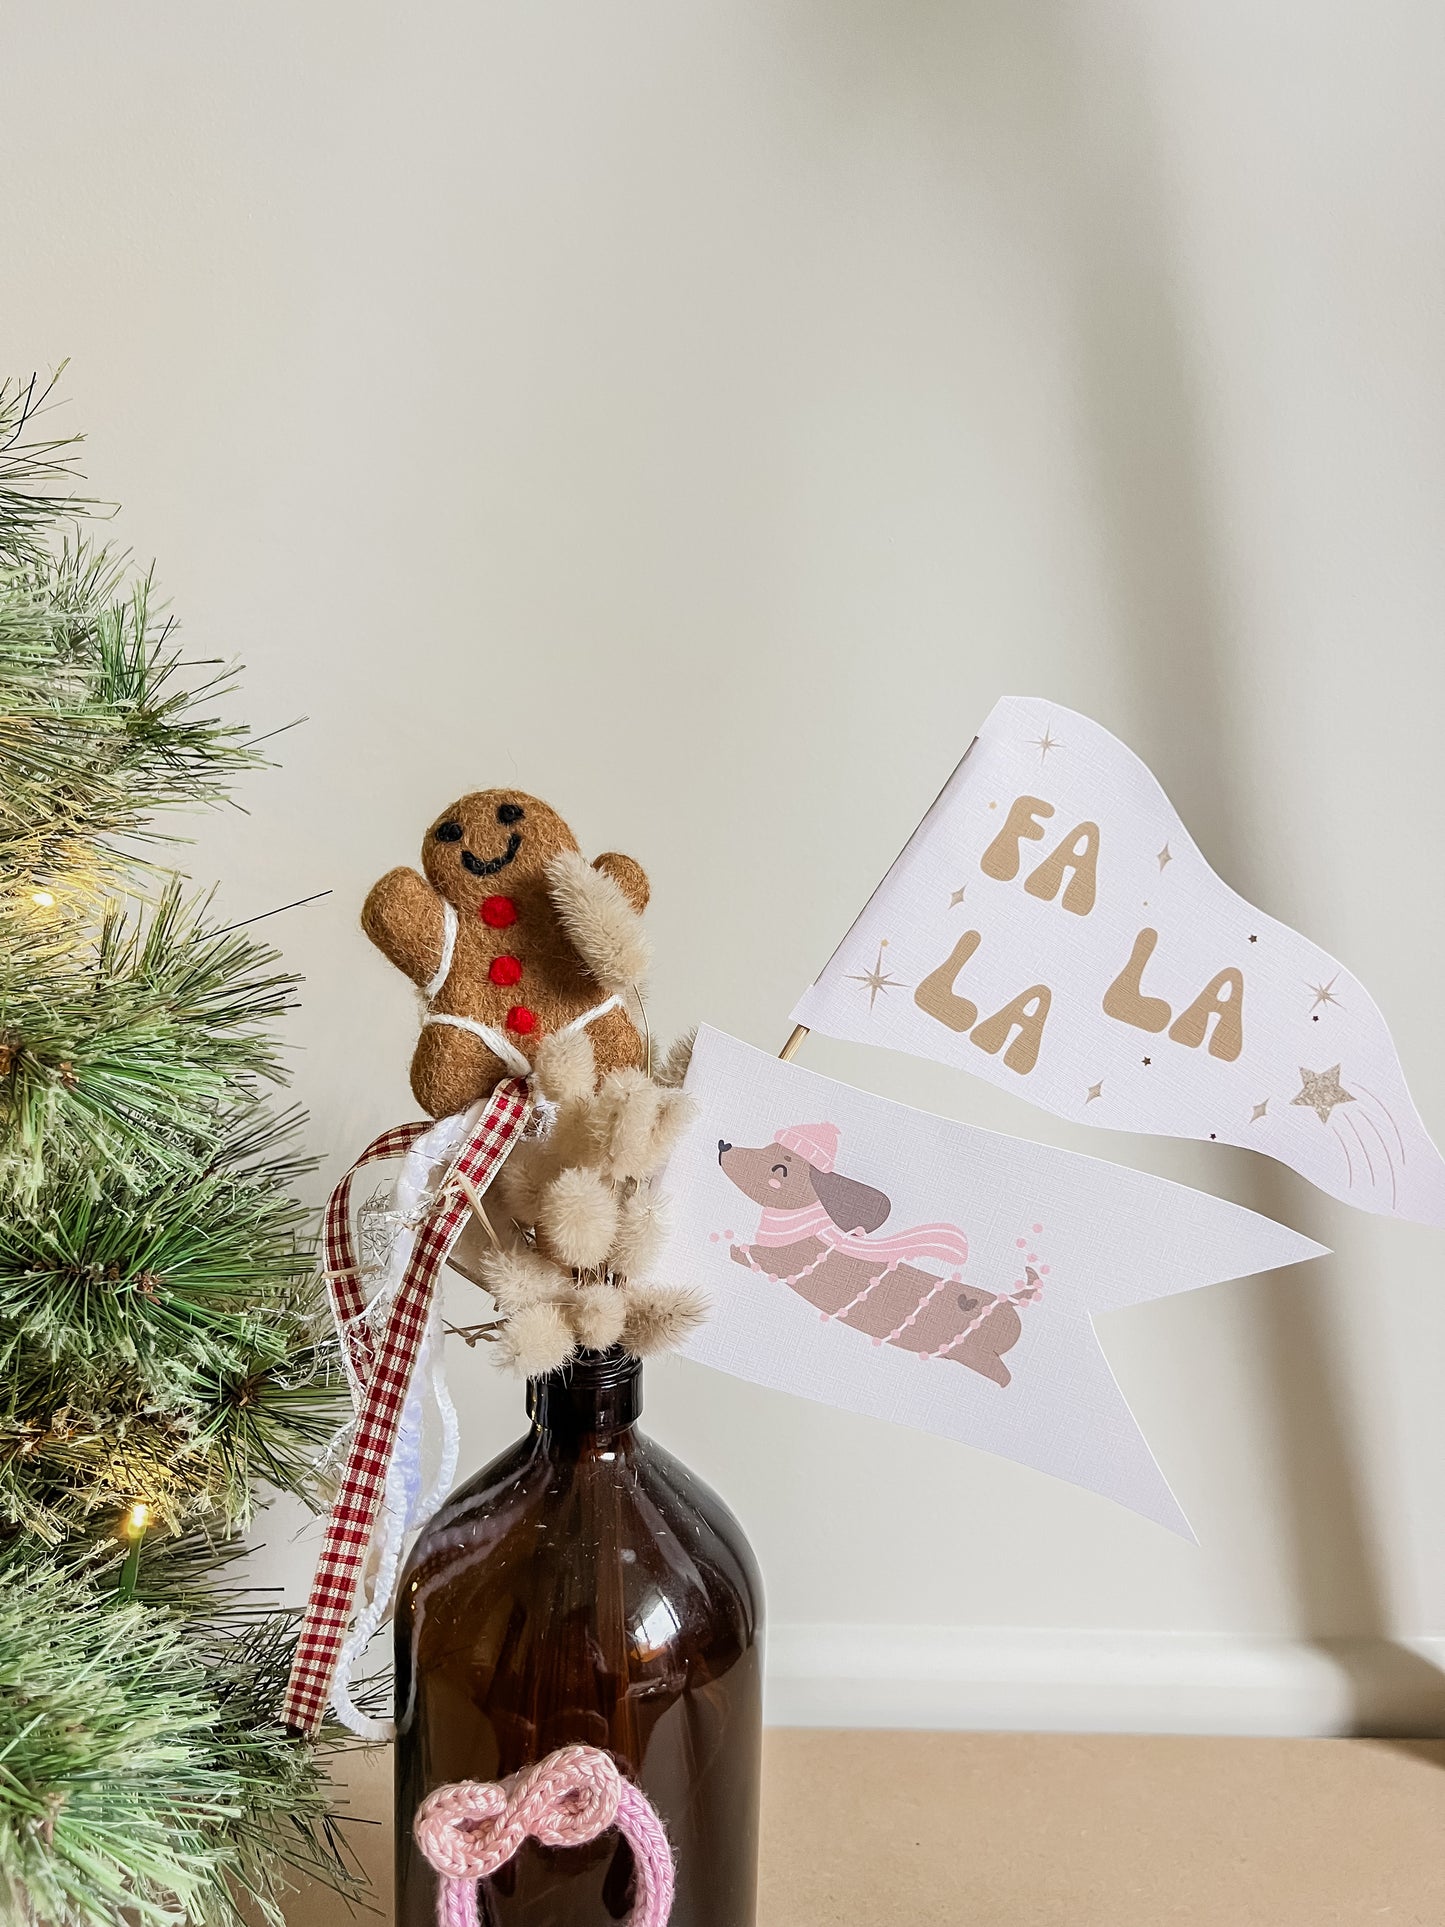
134,1528
117,1210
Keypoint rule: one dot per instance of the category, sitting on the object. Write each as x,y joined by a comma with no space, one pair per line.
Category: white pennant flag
891,1262
1051,926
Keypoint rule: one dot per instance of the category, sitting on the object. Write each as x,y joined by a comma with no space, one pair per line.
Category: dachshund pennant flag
1051,926
875,1257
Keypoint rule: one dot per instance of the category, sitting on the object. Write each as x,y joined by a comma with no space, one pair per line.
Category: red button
521,1020
505,970
498,912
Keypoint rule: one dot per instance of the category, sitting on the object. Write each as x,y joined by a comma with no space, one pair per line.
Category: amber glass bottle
586,1587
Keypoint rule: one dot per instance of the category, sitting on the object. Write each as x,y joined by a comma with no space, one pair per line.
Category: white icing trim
501,1046
591,1016
449,950
493,1039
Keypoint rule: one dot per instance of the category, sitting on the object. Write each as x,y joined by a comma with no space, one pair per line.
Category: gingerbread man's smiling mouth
489,867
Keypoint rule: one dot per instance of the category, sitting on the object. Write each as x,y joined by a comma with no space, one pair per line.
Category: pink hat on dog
818,1143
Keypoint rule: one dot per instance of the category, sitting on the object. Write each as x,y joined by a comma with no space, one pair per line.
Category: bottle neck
594,1398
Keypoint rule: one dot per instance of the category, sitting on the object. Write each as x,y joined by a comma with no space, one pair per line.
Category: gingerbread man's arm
403,917
628,875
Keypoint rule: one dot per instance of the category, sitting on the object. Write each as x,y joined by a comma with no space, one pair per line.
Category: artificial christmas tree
161,1367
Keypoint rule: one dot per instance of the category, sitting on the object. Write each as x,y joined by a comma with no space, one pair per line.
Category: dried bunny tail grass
679,1056
571,1137
597,1314
521,1277
676,1112
660,1317
535,1340
518,1185
605,930
641,1227
536,1161
624,1123
567,1141
566,1066
577,1217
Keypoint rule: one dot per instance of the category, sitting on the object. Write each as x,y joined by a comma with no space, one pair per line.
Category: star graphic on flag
1146,967
1324,993
877,979
1095,1090
1321,1091
1259,1110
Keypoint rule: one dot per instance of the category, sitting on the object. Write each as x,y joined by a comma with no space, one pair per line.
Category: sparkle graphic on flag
1099,968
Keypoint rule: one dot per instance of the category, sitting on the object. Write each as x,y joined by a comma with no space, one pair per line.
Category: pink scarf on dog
944,1243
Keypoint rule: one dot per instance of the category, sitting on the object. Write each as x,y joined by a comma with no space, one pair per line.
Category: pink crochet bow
471,1828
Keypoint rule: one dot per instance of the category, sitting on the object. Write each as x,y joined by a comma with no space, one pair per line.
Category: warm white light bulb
44,899
139,1517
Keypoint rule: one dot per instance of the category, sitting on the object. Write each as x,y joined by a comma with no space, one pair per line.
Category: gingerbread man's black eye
510,813
448,832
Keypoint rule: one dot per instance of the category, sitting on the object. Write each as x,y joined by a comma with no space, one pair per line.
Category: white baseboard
1068,1682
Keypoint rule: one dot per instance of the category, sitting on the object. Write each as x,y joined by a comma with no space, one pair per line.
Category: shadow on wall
1059,108
1164,580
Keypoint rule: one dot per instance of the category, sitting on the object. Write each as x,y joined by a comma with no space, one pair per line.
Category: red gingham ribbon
343,1276
384,1369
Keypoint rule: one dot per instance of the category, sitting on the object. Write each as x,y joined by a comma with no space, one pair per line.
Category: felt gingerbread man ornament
511,936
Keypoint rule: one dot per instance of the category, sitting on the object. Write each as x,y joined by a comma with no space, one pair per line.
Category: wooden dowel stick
800,1031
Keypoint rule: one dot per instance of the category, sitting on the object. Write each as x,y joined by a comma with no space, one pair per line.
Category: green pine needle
142,1775
101,720
29,463
128,1047
162,1339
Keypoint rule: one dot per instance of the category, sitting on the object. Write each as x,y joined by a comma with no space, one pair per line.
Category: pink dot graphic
712,1237
1037,1229
1020,1242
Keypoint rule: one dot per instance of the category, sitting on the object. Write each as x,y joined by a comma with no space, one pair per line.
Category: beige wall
699,414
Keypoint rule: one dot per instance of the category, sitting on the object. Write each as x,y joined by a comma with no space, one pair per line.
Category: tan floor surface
1030,1830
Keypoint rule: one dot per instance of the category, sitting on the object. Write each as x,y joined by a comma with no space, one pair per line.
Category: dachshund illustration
817,1235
